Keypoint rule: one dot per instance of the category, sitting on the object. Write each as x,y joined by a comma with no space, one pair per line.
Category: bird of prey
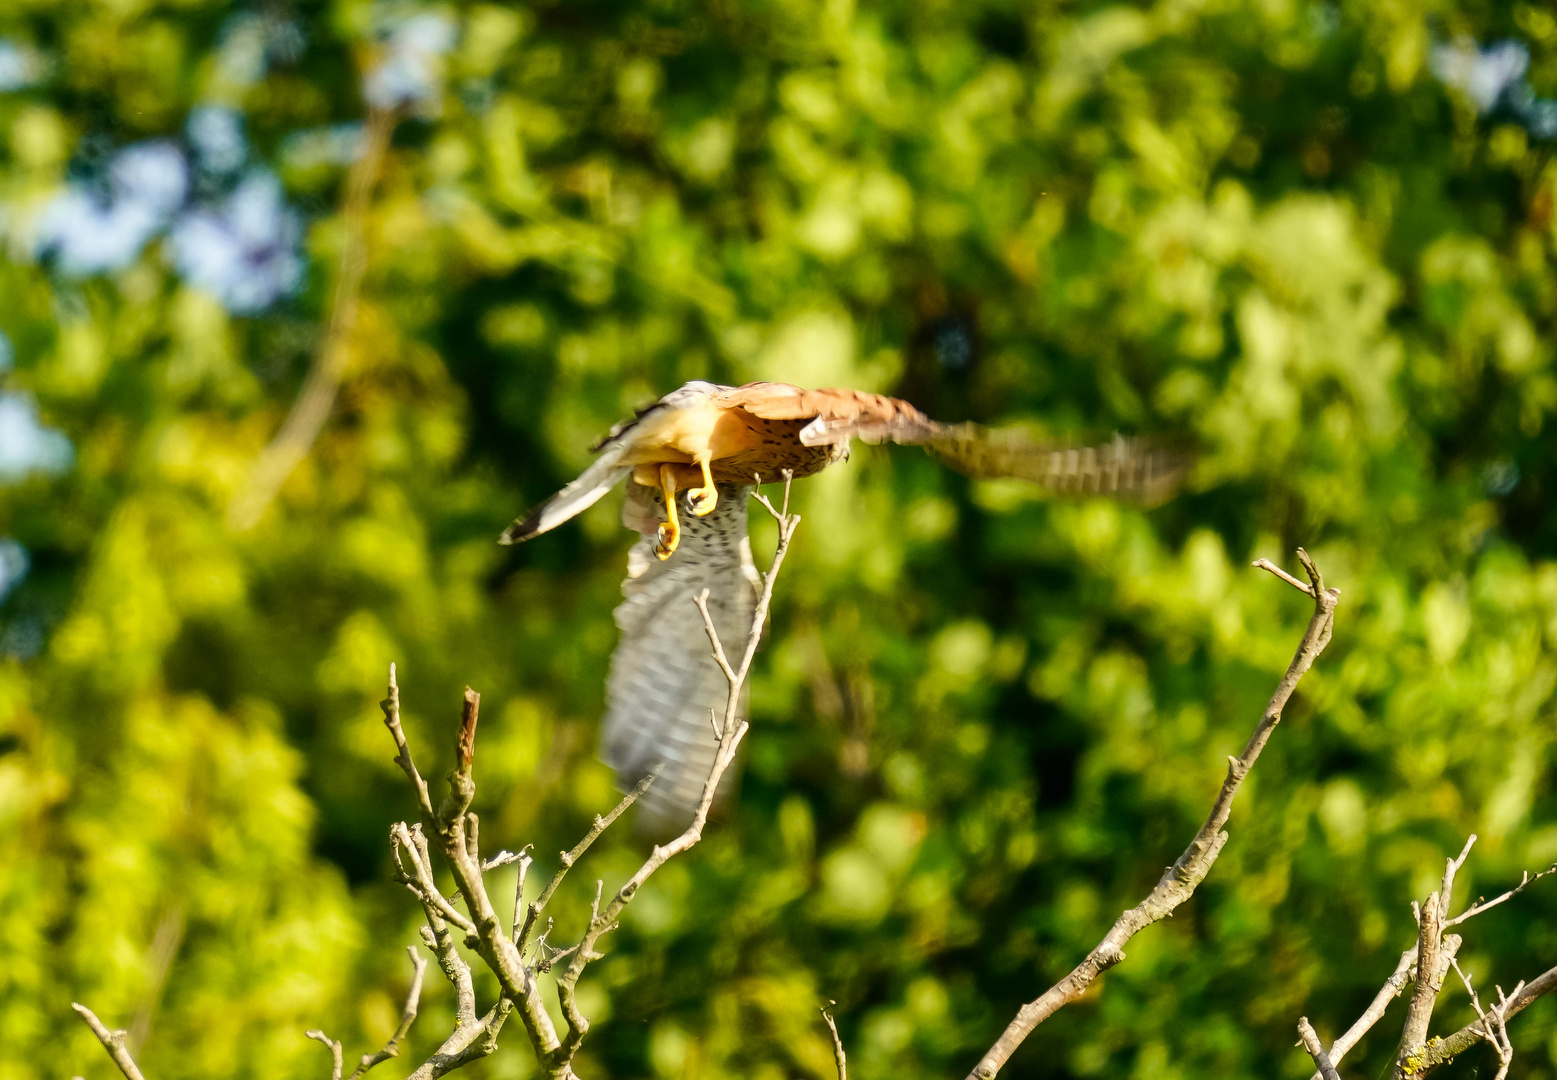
690,460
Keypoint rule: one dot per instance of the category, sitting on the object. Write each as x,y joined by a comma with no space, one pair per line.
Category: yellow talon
670,529
705,498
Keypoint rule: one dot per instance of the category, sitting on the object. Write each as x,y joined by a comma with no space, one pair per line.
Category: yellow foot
668,539
705,498
670,529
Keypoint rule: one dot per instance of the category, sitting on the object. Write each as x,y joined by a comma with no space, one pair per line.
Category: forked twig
392,1047
1403,969
568,858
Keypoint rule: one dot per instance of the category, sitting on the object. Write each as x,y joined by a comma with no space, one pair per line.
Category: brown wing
1138,469
836,415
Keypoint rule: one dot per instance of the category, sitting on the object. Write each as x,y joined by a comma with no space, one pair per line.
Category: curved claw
670,529
667,540
703,500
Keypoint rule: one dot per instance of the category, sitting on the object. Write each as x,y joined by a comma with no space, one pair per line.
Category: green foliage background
984,722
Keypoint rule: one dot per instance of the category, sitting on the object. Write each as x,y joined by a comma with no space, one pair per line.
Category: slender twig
1302,586
114,1043
425,888
1482,905
392,1047
1496,1027
1316,1050
1450,1047
1493,1025
335,1050
391,707
1179,881
701,600
569,858
503,858
317,397
407,1017
1375,1010
839,1058
456,832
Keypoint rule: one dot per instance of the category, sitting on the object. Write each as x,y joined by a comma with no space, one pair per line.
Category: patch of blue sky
216,134
244,251
249,43
20,66
87,233
410,67
1482,75
14,564
1495,76
27,444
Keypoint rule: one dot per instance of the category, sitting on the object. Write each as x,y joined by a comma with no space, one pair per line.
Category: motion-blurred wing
1138,469
664,679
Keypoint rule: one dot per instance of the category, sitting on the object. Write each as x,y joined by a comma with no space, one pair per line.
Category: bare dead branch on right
1417,1054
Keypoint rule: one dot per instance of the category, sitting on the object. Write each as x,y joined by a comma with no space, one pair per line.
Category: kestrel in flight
691,459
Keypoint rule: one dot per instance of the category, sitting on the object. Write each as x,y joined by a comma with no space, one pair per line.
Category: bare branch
1315,1050
407,1017
1420,1012
838,1055
1482,905
411,839
1493,1025
113,1042
1375,1010
456,831
1402,973
503,858
570,857
335,1050
1432,966
1302,587
1447,1049
391,707
1180,880
701,599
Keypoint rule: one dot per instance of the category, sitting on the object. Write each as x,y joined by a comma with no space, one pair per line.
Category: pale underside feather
664,679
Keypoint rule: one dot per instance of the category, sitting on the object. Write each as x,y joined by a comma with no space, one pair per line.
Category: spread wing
1139,469
663,679
836,415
